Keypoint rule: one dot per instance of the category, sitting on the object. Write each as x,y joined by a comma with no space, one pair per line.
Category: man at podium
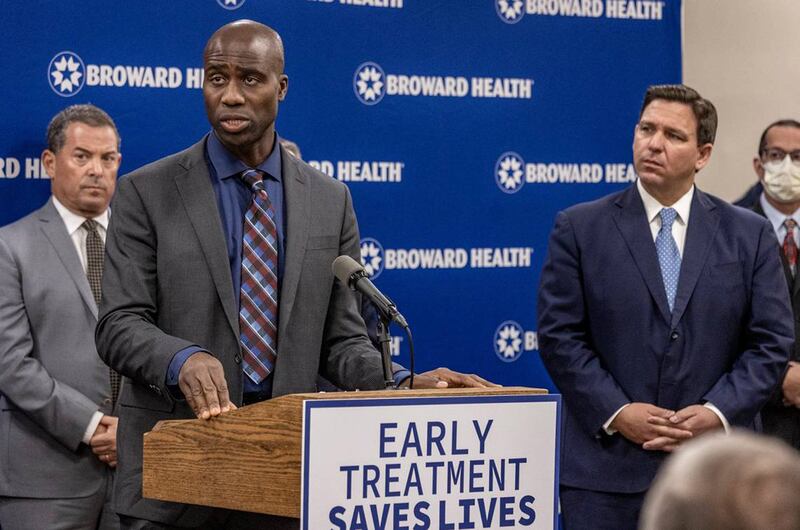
218,289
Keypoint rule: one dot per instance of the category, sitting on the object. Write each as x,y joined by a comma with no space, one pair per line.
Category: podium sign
443,463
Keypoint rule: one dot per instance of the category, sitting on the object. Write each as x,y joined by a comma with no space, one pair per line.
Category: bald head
243,85
252,34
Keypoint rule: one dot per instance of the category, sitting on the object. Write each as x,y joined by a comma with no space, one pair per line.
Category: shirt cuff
607,425
720,415
177,362
400,376
93,423
174,369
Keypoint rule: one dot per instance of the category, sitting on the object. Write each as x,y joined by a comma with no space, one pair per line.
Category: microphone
352,274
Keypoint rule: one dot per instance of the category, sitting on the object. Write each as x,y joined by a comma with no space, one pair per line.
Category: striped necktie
258,297
790,245
94,273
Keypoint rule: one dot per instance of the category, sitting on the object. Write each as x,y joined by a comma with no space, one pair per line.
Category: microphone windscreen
343,268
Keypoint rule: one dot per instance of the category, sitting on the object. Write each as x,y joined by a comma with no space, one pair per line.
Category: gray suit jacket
167,285
51,379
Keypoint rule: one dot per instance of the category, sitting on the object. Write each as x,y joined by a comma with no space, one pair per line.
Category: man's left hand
447,378
695,418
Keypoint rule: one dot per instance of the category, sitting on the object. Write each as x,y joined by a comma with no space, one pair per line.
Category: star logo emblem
509,172
369,83
66,74
372,256
508,341
509,11
230,5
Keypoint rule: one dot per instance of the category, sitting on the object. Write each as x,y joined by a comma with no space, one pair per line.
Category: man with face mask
778,168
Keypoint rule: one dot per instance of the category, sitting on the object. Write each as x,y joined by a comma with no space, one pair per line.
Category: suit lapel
631,220
703,225
197,195
56,233
297,202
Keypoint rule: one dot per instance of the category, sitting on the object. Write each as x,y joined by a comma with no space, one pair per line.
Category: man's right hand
632,423
791,385
202,381
104,440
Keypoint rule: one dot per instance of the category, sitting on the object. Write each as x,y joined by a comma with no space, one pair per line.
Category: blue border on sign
311,404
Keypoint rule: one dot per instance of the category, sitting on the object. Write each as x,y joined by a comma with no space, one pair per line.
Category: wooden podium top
249,459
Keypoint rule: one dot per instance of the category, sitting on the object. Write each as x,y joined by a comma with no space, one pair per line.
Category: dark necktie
668,256
94,273
790,245
258,297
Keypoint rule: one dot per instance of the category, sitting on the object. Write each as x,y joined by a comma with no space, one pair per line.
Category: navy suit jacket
607,336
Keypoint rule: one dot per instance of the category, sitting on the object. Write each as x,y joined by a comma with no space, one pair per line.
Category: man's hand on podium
202,381
447,378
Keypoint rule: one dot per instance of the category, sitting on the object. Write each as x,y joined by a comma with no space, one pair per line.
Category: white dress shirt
73,223
776,219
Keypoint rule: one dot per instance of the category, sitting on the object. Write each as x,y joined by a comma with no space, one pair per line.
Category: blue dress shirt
233,200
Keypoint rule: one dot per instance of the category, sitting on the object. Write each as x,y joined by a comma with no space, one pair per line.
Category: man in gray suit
57,434
218,288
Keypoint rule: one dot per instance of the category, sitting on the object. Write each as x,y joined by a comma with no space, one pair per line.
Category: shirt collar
776,217
74,221
652,207
226,165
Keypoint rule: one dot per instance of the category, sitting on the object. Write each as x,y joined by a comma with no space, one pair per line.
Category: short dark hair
703,109
85,113
762,143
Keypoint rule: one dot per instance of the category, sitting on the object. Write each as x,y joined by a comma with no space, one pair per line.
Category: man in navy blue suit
663,314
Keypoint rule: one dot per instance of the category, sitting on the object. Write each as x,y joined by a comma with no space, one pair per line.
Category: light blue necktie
668,256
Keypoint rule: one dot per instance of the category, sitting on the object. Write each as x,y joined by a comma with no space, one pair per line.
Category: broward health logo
66,74
368,83
371,84
509,11
509,172
512,11
372,256
230,5
510,340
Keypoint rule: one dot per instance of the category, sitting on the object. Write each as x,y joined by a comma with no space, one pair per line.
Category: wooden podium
240,458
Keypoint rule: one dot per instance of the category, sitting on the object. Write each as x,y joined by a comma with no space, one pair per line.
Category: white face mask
782,180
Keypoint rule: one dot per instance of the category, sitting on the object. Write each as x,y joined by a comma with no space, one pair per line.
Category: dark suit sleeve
127,335
349,358
565,341
767,339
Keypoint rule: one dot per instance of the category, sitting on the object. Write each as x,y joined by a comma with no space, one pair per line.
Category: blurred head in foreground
741,481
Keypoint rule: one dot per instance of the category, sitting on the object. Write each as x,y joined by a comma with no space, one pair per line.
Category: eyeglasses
773,154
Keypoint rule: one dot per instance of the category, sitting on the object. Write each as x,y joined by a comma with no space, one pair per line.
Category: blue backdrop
461,127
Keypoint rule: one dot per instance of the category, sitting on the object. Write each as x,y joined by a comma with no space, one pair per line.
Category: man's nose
232,95
656,142
95,166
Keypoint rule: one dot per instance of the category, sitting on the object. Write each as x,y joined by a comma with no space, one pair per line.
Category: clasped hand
659,429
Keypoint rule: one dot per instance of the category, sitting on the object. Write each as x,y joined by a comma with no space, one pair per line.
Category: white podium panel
432,463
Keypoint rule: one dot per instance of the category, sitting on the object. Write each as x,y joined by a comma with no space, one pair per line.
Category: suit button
107,401
674,335
237,359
